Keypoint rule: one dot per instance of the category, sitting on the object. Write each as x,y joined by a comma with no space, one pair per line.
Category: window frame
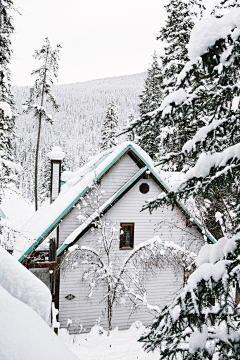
121,247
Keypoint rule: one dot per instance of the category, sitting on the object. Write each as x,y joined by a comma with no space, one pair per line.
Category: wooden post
56,156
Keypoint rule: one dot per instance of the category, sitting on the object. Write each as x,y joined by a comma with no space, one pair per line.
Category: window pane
127,236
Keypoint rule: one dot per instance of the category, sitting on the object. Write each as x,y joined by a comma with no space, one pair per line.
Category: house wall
110,183
167,224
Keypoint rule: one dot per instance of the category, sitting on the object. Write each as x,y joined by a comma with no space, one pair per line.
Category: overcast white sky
99,38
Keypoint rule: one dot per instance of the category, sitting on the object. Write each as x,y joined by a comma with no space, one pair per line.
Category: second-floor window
126,236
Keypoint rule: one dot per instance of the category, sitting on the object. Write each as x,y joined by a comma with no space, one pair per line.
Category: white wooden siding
169,225
55,180
111,182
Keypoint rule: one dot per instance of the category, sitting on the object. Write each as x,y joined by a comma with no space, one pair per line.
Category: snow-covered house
127,176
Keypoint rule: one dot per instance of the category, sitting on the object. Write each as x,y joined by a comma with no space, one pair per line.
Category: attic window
144,188
126,236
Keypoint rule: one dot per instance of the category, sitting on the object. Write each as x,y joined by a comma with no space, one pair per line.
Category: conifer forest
182,115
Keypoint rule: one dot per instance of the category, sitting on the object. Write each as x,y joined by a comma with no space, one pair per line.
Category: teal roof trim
211,238
198,224
3,215
114,197
50,228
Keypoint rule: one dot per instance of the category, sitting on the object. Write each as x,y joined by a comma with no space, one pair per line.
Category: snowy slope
24,335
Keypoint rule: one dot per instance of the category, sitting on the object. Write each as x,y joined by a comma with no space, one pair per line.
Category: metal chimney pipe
56,156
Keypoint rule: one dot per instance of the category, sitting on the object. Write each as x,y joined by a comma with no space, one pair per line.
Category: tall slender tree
40,94
109,127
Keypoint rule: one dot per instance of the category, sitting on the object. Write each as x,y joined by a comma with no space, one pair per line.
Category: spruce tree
7,119
40,94
109,128
182,15
151,99
203,320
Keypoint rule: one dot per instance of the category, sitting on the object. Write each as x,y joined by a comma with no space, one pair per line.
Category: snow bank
24,335
79,183
23,285
207,31
119,345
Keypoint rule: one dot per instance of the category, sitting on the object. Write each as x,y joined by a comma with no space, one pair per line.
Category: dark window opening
126,236
144,188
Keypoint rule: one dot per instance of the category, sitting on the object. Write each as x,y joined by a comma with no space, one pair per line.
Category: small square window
126,236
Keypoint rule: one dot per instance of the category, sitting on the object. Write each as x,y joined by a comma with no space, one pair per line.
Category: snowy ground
96,345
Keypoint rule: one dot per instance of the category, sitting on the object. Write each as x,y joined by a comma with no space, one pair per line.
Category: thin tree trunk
36,162
38,138
109,310
109,319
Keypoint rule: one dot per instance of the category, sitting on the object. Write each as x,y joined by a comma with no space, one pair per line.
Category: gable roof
41,224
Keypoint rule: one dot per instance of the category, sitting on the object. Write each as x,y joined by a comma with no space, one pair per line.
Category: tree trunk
36,163
109,310
39,132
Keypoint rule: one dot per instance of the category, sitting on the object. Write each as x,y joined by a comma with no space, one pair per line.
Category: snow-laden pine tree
109,128
182,15
151,99
151,96
40,94
203,320
7,119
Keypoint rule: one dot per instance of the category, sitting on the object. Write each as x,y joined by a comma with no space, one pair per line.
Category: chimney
56,156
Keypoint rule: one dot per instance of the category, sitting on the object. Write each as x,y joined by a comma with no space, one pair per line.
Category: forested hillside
76,126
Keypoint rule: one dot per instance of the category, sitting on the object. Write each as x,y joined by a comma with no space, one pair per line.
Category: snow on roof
15,209
41,223
78,183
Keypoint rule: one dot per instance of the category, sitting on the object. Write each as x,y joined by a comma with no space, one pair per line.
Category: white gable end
110,183
167,224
